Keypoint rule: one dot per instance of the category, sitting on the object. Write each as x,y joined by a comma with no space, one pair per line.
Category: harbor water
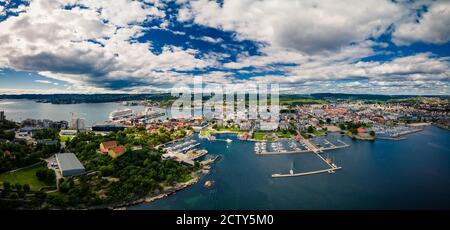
383,174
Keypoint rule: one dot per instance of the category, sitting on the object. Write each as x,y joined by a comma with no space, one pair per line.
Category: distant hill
86,98
288,98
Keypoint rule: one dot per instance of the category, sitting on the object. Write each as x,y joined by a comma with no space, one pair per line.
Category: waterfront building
113,127
78,124
69,165
361,130
45,123
2,116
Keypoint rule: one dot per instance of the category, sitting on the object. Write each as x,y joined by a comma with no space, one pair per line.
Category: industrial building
112,127
69,165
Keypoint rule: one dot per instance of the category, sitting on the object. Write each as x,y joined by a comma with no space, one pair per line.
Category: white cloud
433,27
307,26
43,81
320,43
55,42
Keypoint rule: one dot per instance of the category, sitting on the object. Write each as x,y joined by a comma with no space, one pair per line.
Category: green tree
106,170
26,188
18,186
13,196
40,195
372,133
6,185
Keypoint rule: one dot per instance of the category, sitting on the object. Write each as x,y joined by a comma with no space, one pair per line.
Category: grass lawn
25,176
205,133
231,129
319,133
64,138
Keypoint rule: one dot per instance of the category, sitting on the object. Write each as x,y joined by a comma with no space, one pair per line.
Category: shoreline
359,137
166,192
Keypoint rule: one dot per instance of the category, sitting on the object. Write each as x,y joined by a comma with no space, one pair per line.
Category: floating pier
278,175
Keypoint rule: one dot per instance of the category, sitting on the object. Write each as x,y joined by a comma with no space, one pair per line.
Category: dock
277,175
284,152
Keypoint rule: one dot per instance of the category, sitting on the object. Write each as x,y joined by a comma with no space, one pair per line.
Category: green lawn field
24,176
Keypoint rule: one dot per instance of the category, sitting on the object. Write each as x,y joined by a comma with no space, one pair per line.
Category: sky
145,46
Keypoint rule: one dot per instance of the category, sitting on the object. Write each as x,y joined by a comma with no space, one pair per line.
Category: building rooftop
68,161
109,144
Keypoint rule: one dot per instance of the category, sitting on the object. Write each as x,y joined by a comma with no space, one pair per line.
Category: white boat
228,140
118,114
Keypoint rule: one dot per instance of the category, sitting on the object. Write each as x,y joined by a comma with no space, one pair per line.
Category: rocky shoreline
166,192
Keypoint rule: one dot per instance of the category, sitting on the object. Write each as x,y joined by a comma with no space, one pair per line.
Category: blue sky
309,46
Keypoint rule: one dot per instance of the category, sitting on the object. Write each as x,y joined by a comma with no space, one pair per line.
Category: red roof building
106,146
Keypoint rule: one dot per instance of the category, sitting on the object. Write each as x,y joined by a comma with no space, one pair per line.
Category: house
244,136
112,149
361,130
106,146
117,151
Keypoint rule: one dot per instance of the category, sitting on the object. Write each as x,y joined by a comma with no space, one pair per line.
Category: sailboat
292,168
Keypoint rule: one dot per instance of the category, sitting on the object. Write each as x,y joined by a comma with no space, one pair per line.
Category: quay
284,152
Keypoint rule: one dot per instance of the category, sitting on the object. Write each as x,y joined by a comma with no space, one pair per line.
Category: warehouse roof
68,161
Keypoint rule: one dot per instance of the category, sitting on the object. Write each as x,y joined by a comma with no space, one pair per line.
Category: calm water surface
19,110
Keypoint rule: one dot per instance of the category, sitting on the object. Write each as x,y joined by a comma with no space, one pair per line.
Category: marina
184,151
287,146
317,151
395,133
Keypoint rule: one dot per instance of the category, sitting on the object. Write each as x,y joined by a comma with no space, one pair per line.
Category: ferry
118,114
